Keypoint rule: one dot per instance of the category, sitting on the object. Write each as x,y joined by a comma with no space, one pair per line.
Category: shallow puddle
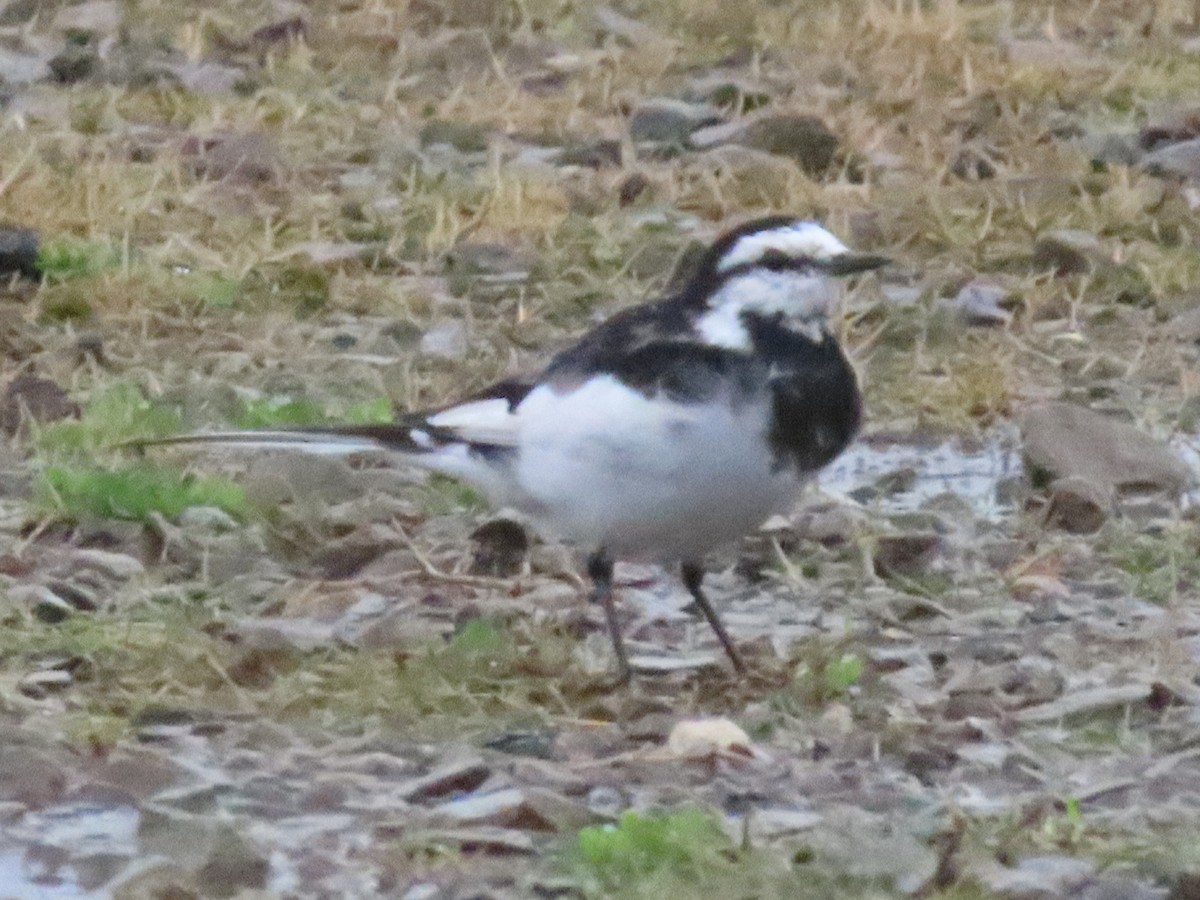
69,850
976,472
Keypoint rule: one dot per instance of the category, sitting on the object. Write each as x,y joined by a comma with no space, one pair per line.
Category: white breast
646,478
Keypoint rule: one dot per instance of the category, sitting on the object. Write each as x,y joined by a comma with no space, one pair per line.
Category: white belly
647,479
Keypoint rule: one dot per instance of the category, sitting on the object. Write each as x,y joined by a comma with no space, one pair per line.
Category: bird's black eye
775,259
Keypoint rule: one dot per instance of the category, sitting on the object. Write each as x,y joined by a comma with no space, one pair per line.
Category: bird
665,431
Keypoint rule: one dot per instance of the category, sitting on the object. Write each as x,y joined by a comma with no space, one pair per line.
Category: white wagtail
665,431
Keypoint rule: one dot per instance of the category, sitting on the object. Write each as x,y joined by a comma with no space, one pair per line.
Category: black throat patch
816,404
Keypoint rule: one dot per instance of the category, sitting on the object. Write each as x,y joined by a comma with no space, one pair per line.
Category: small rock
1170,127
525,808
594,155
703,738
605,801
31,774
74,63
501,808
153,876
39,685
346,557
83,597
897,481
19,248
185,838
979,303
249,156
501,548
667,121
463,776
212,519
94,870
563,813
46,605
1068,251
41,399
1113,148
974,163
1180,160
530,744
905,554
1061,440
835,525
1078,505
233,865
631,188
806,139
118,566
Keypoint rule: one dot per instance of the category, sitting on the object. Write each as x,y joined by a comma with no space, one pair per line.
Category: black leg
600,570
692,574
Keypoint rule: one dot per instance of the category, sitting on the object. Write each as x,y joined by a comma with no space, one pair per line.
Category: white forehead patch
796,240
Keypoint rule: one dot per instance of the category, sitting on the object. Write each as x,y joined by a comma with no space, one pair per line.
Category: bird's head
770,267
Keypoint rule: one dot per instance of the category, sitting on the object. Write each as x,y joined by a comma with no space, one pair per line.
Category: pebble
1078,505
979,303
118,566
1181,160
1068,251
1063,439
667,121
19,247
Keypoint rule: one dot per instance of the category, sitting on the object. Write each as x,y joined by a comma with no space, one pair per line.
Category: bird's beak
852,263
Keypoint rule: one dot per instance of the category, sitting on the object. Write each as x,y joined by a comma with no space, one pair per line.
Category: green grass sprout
133,493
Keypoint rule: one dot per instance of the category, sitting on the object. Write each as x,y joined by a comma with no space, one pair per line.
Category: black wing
607,346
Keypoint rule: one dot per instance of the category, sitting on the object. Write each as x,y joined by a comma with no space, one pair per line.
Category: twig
432,571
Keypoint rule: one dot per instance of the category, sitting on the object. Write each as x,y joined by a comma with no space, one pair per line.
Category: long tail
411,438
483,458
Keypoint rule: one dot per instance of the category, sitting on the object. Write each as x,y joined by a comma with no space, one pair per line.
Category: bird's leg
692,574
600,570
